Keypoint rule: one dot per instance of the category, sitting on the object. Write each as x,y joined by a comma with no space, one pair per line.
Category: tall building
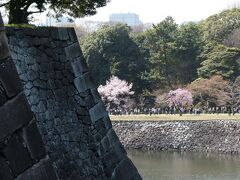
130,19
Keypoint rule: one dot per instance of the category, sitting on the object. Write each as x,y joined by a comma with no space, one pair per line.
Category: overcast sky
154,11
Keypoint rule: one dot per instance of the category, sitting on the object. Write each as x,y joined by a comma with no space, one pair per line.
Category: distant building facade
52,21
130,19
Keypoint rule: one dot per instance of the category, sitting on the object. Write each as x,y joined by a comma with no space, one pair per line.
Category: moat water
185,165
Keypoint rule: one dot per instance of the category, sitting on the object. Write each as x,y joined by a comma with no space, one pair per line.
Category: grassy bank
164,117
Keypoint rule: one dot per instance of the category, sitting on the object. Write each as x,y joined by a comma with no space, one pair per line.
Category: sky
154,11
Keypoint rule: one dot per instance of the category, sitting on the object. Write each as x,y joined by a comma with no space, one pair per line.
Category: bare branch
34,12
4,4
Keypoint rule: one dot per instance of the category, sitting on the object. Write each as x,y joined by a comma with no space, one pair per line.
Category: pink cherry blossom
115,91
180,98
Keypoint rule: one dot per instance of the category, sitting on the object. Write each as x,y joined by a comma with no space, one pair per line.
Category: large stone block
3,97
73,51
9,78
84,82
17,155
4,50
33,140
5,171
107,122
125,170
112,137
105,144
97,112
63,34
79,66
119,150
41,171
95,95
14,114
72,34
59,33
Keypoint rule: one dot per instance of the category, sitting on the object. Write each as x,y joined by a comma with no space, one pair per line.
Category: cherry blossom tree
180,99
115,94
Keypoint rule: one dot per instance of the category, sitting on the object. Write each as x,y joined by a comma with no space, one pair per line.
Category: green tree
146,82
161,43
219,60
20,10
219,26
172,52
111,51
233,39
189,45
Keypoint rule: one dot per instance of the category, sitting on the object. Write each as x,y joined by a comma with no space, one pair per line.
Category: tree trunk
4,53
17,14
18,17
1,23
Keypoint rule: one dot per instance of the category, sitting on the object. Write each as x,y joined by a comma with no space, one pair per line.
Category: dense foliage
219,26
19,10
218,59
203,56
111,51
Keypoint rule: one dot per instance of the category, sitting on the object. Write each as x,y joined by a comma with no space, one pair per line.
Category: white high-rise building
130,19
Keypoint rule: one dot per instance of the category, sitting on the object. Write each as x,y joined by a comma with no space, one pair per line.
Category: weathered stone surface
73,51
95,95
124,171
14,114
34,142
63,33
79,67
41,171
5,171
3,97
112,136
4,51
17,155
70,115
72,35
20,142
107,122
204,136
97,112
58,33
83,82
9,78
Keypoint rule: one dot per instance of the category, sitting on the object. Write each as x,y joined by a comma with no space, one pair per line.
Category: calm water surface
185,165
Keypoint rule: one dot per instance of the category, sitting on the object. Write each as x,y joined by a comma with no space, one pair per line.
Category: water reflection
186,165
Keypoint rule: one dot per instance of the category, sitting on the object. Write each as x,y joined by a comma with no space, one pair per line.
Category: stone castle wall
204,136
22,153
75,127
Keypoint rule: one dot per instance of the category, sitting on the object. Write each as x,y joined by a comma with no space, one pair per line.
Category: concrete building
130,19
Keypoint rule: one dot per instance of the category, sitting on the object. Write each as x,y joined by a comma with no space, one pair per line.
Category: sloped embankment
70,115
207,136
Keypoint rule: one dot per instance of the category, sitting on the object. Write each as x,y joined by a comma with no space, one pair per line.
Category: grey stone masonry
218,136
73,122
21,146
